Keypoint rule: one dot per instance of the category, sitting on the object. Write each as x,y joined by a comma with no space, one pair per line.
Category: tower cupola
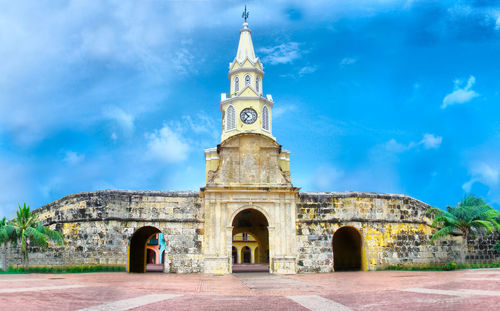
245,109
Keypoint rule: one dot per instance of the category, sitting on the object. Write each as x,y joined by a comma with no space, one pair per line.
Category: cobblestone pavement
383,290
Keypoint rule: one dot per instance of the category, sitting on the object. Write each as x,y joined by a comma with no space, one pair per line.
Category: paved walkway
385,290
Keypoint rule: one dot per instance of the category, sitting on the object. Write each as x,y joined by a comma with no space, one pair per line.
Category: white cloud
497,24
347,61
460,95
183,61
307,69
167,145
486,173
393,146
283,109
284,53
483,173
201,124
431,142
73,157
124,120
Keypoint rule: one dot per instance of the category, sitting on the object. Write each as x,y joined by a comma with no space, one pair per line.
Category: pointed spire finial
245,14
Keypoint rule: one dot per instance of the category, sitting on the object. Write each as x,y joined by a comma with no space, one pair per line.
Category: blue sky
382,96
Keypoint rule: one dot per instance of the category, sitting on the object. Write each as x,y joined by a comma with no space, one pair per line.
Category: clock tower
245,109
248,184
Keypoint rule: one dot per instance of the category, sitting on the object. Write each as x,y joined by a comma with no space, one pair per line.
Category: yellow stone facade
248,241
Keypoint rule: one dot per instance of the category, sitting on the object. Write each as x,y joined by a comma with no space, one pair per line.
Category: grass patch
444,267
65,269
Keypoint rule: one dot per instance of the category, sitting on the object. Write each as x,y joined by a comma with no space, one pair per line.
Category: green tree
6,235
471,216
30,231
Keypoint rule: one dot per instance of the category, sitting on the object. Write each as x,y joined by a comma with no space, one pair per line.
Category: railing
153,241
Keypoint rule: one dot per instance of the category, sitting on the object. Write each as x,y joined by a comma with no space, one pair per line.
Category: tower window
230,118
257,86
247,80
265,118
236,84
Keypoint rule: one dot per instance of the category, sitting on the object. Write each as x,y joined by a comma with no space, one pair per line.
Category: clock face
248,115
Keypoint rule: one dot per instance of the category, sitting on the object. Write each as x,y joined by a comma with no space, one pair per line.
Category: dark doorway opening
151,256
139,256
246,254
346,249
249,233
235,255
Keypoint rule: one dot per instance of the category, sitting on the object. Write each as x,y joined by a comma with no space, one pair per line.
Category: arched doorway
246,254
346,245
139,254
251,226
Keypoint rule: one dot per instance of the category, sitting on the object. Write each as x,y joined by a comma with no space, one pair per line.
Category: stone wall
481,249
394,230
97,227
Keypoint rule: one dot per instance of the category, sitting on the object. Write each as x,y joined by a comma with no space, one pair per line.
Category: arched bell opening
251,239
346,245
144,250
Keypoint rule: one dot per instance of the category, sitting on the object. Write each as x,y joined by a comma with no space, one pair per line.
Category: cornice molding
232,99
244,69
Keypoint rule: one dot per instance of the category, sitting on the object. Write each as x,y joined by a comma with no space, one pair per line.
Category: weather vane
245,14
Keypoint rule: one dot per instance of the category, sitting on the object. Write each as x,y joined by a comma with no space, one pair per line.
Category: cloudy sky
382,96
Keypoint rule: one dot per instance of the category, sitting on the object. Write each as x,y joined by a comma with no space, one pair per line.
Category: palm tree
471,216
6,235
31,232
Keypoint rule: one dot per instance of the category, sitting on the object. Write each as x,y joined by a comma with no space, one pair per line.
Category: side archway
346,245
137,248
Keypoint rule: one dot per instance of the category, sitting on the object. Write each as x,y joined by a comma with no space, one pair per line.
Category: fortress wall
97,227
394,230
481,249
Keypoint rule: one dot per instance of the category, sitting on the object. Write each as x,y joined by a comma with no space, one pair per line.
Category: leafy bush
450,266
66,269
446,267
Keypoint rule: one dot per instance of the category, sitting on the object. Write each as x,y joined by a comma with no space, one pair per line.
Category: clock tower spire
245,109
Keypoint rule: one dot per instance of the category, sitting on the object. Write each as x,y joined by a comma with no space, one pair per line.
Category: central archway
138,250
251,228
346,244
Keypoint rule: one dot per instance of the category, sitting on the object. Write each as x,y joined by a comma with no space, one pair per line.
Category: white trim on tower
265,118
230,118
